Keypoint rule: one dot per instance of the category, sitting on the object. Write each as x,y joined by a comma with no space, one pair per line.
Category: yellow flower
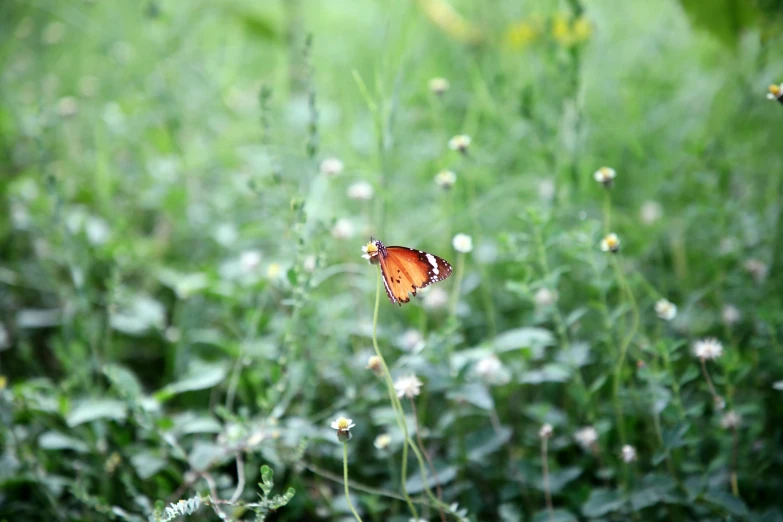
582,30
561,31
3,382
520,34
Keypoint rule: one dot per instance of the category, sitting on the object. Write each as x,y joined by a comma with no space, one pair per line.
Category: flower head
408,386
757,269
250,260
371,251
438,85
361,190
605,176
545,432
331,167
462,243
707,349
611,243
650,212
491,370
545,297
665,309
730,314
460,143
730,420
382,441
375,365
628,453
586,437
342,424
343,229
445,179
775,92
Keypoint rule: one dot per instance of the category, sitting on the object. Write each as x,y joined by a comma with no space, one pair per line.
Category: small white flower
331,167
343,229
342,424
775,92
412,341
250,260
629,453
665,309
491,370
545,432
544,297
67,106
408,386
445,179
730,314
611,243
757,269
436,298
650,212
605,176
460,142
586,437
707,349
462,243
97,230
361,190
730,419
439,85
308,263
382,441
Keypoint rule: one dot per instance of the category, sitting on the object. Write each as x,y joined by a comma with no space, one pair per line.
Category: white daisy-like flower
629,453
411,341
544,297
408,386
462,243
382,441
331,167
775,92
545,432
343,229
375,365
460,143
605,176
439,85
491,370
707,349
342,424
731,419
730,314
757,269
370,251
665,309
611,243
650,212
586,437
435,298
445,179
67,106
250,260
361,190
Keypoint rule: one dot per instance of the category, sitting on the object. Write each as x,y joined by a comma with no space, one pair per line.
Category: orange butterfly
405,269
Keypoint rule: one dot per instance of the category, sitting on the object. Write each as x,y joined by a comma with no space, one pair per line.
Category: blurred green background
186,187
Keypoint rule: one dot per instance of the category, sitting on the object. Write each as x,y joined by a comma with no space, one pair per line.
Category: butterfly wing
406,270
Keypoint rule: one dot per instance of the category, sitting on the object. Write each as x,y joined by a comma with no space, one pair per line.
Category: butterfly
405,269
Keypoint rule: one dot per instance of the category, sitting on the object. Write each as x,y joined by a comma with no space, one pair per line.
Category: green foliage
183,307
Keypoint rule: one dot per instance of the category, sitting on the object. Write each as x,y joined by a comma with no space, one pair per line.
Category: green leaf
527,337
445,475
53,440
601,502
550,373
147,464
727,502
724,19
204,454
558,515
94,409
123,380
200,376
474,393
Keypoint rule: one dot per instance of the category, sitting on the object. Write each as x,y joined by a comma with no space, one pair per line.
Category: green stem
393,397
345,481
457,285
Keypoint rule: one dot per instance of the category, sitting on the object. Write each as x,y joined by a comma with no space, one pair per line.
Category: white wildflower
445,179
343,229
544,297
650,212
730,314
408,386
707,349
462,243
545,432
97,230
331,167
757,269
438,85
342,424
586,437
775,92
611,243
382,441
629,453
460,143
605,176
730,420
491,370
361,190
250,260
665,309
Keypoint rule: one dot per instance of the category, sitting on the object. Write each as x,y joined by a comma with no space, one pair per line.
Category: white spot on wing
434,263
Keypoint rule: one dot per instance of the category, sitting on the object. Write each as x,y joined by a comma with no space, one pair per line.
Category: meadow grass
184,308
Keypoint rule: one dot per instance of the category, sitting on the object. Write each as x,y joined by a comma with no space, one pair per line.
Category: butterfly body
406,269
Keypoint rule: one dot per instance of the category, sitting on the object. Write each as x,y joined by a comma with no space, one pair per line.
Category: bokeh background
186,188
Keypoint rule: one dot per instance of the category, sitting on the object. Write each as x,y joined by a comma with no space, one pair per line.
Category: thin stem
457,284
345,481
715,396
734,451
427,456
547,494
393,397
240,479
